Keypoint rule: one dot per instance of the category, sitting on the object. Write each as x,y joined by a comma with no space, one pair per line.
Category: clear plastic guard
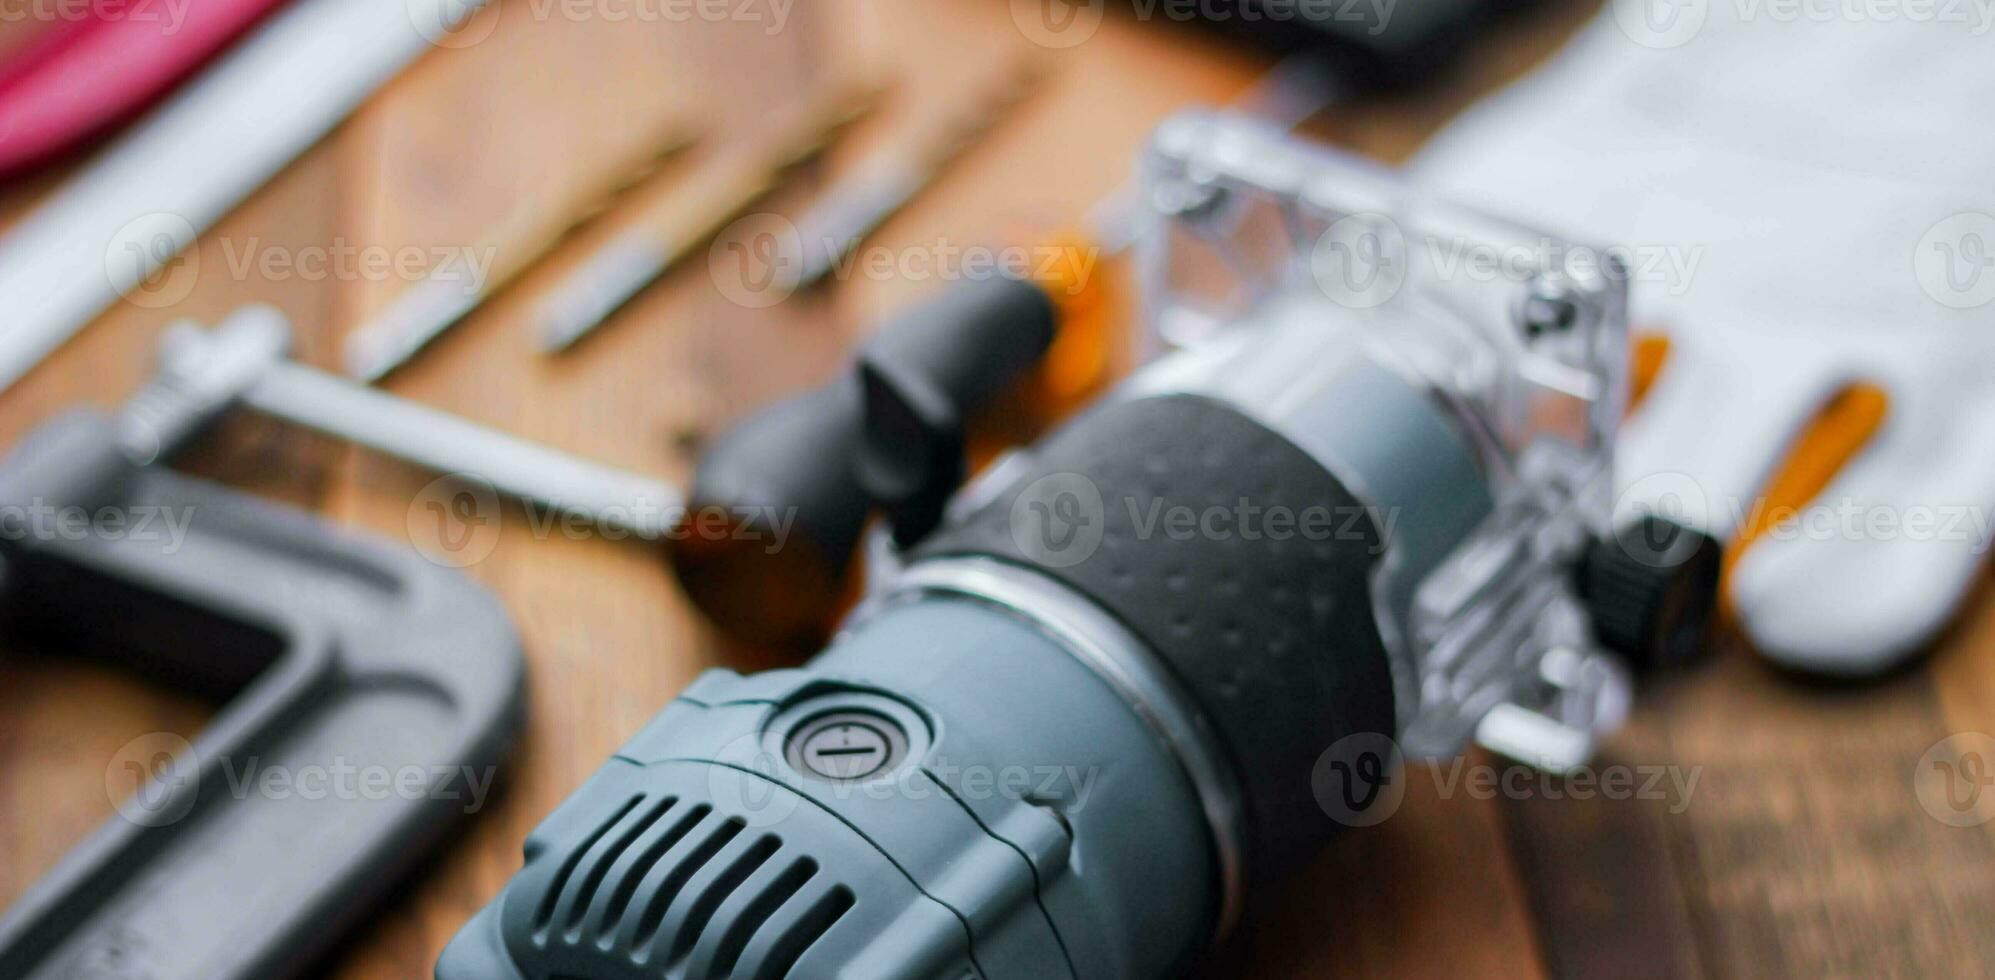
1519,335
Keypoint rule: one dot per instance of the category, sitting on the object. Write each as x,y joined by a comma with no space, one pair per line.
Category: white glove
1807,203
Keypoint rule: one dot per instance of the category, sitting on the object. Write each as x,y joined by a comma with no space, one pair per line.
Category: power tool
1358,508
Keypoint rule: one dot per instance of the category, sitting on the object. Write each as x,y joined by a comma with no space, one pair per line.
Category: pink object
82,77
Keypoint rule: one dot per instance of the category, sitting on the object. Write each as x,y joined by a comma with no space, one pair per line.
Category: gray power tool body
1148,666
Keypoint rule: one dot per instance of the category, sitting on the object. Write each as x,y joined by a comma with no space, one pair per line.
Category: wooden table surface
1802,849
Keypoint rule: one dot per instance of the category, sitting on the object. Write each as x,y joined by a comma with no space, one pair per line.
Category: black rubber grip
1273,638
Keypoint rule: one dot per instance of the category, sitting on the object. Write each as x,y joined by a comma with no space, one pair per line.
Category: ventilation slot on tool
752,918
676,878
808,929
545,914
654,851
669,890
720,890
606,857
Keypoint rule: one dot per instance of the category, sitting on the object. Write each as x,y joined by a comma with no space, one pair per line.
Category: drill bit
723,189
451,291
859,204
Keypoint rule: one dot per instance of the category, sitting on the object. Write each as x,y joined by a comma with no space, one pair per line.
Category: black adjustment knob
1653,588
886,434
924,374
911,458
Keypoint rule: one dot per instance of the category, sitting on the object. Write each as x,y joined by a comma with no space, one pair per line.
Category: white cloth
1809,199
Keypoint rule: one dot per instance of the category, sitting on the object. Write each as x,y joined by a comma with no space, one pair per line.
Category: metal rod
450,445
